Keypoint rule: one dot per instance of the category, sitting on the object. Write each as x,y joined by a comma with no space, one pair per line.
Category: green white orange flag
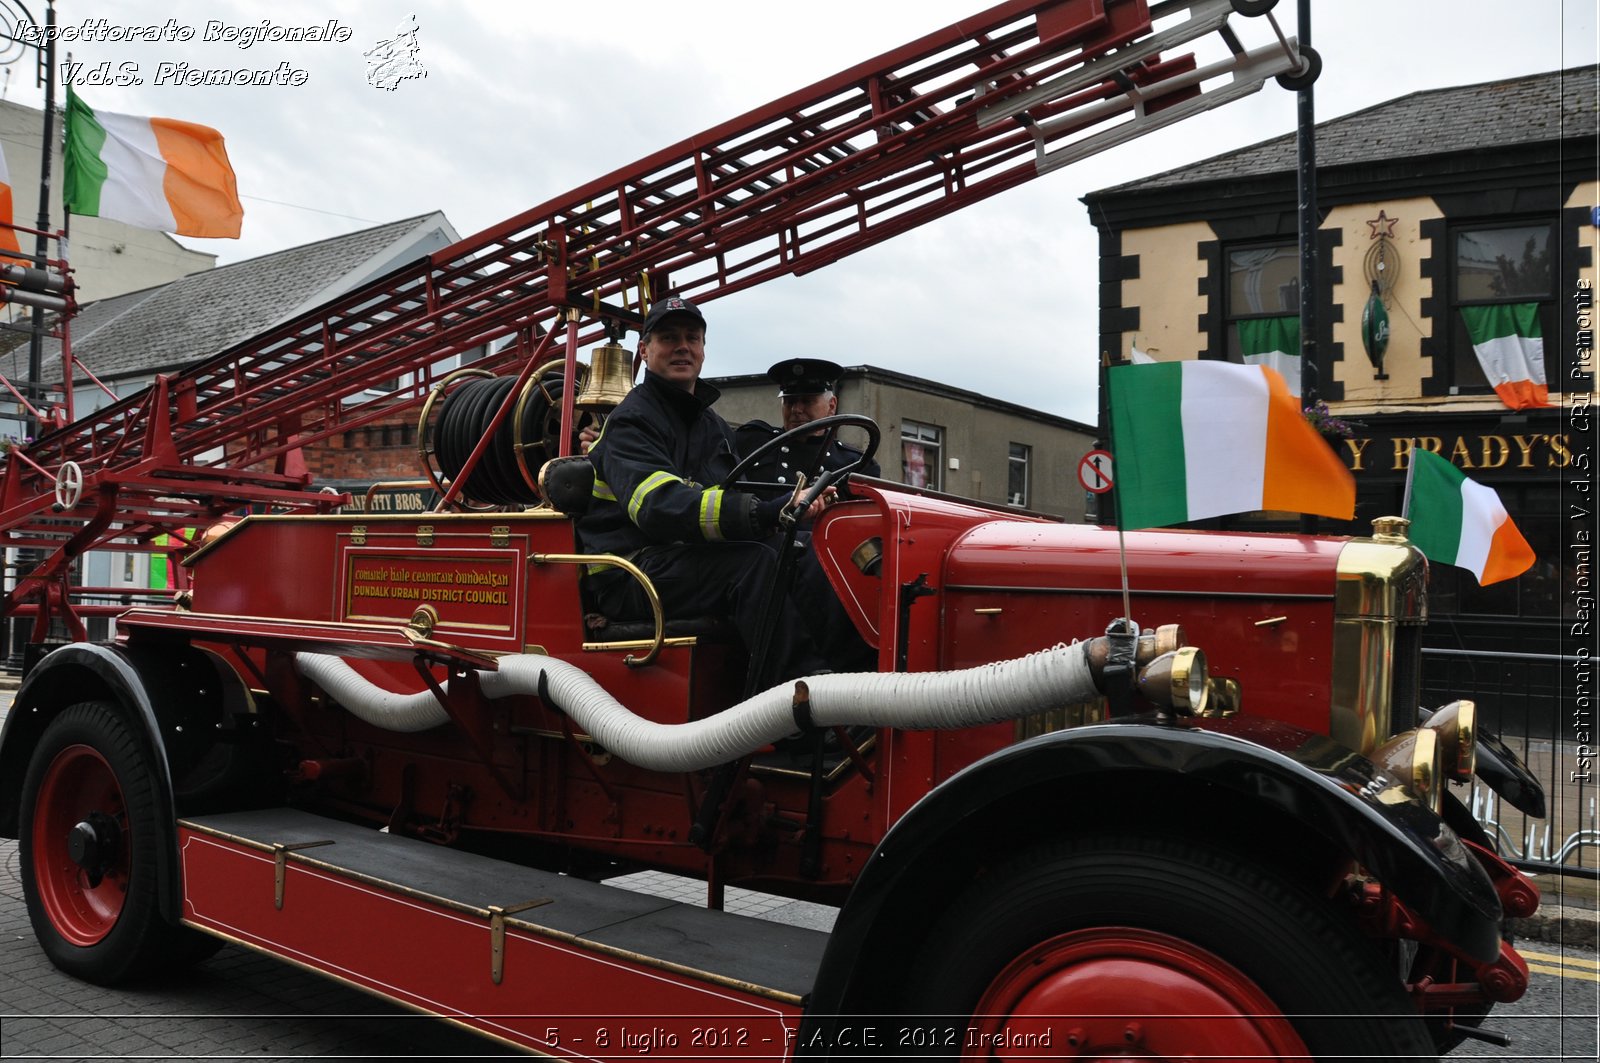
151,173
1457,521
8,235
1509,344
1196,439
1275,343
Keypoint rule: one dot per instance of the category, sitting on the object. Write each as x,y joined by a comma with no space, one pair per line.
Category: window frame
932,446
1025,461
1459,354
1231,315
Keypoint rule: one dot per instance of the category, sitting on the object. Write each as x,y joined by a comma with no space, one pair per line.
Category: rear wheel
90,823
1157,948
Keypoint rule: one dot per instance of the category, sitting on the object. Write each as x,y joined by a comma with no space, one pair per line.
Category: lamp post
1306,139
15,47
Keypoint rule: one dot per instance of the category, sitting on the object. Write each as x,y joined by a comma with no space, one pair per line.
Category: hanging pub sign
1375,331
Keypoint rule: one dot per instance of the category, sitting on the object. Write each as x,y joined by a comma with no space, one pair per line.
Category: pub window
1263,299
1017,474
920,448
1496,265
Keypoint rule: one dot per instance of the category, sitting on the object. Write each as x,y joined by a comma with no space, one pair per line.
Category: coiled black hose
463,418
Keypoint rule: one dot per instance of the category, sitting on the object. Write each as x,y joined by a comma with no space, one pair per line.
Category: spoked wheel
90,819
1153,947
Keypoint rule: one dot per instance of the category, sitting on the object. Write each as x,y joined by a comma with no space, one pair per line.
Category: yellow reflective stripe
601,489
651,482
711,514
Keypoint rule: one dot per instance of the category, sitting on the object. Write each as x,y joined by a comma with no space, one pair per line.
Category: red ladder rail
916,133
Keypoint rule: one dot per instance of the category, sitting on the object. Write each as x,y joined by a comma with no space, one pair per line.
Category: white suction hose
1003,690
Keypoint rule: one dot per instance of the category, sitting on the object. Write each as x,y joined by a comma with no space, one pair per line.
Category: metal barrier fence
1528,699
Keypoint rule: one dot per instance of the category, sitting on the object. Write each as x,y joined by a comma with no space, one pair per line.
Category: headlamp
1176,680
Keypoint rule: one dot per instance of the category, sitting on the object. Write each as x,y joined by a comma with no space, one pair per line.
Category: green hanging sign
1375,331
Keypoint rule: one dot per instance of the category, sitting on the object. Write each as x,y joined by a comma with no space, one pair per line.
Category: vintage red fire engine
400,750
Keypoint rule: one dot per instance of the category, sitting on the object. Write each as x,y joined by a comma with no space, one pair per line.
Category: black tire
1308,73
1090,920
97,915
1252,8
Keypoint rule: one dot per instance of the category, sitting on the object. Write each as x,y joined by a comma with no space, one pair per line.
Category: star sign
1382,226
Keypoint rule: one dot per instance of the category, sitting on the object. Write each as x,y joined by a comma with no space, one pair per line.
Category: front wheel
91,818
1154,947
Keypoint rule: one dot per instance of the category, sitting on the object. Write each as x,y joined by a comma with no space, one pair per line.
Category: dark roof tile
173,325
1552,106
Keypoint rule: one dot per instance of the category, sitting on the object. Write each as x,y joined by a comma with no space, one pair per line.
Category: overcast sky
523,101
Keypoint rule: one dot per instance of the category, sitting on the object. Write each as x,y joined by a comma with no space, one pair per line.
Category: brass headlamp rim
1177,680
1414,760
1427,780
1456,724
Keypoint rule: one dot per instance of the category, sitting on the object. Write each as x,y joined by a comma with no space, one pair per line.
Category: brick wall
382,450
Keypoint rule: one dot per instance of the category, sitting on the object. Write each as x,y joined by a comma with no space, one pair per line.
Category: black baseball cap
805,376
671,304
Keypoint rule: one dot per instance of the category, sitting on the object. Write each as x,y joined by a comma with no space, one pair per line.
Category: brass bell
610,377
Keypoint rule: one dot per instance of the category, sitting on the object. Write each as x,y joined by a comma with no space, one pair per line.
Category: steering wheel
783,573
829,427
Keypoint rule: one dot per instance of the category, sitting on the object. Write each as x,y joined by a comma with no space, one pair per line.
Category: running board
518,954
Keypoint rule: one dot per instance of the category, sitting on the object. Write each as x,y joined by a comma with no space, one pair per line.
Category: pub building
1434,208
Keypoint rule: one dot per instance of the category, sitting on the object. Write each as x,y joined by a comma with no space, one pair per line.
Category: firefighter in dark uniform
806,392
657,500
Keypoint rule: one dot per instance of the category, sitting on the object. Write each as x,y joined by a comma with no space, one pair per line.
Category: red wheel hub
1119,993
80,845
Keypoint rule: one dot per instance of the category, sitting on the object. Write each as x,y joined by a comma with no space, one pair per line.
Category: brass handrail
633,570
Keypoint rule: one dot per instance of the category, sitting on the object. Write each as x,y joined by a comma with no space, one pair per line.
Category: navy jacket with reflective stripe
657,465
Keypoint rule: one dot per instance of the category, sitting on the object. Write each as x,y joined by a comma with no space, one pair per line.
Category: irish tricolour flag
1510,347
1275,343
151,173
8,235
1456,521
1197,439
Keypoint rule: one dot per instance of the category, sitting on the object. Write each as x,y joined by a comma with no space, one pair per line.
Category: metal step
512,951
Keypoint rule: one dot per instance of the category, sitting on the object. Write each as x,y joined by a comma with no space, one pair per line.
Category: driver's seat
567,484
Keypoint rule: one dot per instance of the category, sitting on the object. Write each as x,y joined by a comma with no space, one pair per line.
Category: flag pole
1411,467
1122,551
1116,500
1122,635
